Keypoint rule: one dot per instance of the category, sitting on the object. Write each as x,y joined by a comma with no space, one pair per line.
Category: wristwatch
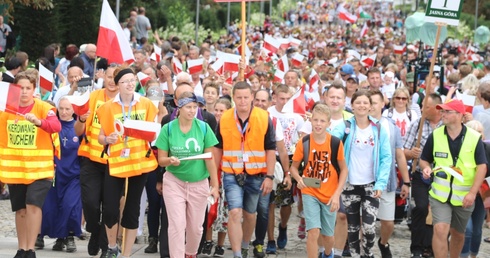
409,184
271,177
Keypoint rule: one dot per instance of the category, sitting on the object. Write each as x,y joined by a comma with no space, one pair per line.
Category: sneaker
259,251
59,244
20,253
219,251
302,231
39,242
30,254
93,245
282,239
152,246
244,252
103,254
5,195
384,249
111,253
346,251
271,247
207,248
70,244
328,256
416,255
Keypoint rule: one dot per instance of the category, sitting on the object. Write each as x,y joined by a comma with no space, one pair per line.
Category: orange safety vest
140,160
237,149
26,151
90,146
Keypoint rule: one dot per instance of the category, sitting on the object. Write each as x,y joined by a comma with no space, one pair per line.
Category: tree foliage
35,4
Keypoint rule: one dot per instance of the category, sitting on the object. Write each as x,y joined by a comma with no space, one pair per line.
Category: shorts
318,215
456,216
244,197
33,194
283,197
387,205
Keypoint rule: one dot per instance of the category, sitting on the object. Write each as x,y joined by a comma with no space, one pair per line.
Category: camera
240,179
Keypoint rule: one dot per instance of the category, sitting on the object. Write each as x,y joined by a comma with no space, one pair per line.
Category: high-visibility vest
26,151
90,146
140,159
446,187
237,148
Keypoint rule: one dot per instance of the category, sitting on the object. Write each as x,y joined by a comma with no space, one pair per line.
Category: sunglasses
401,98
343,75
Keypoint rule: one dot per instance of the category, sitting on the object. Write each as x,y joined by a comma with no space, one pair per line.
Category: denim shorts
244,197
318,215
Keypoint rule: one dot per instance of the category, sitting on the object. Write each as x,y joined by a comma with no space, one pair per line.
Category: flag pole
123,244
244,34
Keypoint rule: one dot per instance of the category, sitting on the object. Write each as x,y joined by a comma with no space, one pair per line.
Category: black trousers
421,232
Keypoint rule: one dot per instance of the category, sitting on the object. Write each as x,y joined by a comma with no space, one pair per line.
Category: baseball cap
200,100
347,69
356,80
410,77
305,52
456,105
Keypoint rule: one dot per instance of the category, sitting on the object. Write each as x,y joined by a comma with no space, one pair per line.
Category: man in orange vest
246,153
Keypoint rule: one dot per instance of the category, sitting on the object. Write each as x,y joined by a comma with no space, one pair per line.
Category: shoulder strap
409,114
334,150
306,149
390,112
347,125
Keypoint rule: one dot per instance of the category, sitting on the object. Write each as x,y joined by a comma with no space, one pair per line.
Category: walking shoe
103,254
152,246
244,252
302,231
111,253
328,256
346,251
207,248
39,242
219,251
93,245
20,253
30,254
70,244
384,249
416,255
282,239
259,251
59,244
5,195
271,247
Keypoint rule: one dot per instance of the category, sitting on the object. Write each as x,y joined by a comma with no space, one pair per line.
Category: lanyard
128,117
241,129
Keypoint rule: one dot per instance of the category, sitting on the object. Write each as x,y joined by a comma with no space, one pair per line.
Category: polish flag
157,53
353,53
471,50
9,97
271,44
143,78
248,53
218,67
294,42
141,129
345,15
297,59
111,42
468,101
310,99
368,61
279,76
400,50
283,64
314,79
413,48
297,103
80,103
250,70
231,78
195,65
46,79
230,61
364,30
284,43
177,65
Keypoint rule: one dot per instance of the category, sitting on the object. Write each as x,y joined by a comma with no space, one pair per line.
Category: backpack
409,113
334,148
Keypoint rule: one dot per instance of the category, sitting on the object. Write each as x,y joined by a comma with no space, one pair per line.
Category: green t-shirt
182,145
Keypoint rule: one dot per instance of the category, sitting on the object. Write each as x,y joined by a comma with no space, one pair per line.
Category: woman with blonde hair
400,110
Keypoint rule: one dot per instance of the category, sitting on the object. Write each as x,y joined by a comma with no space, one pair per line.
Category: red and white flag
413,48
283,63
297,59
297,103
9,97
468,101
46,78
248,53
140,129
284,43
195,65
218,67
80,103
143,78
157,53
352,53
232,77
314,80
364,30
346,15
271,44
279,76
111,42
399,50
470,50
176,65
230,61
294,42
368,61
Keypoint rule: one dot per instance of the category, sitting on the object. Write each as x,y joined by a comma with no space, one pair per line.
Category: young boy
321,183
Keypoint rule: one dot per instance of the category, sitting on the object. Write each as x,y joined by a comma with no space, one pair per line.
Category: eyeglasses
132,81
448,112
401,98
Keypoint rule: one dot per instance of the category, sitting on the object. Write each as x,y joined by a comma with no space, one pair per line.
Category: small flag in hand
80,103
9,97
46,78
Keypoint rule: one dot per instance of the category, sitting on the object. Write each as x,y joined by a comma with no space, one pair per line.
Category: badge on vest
125,153
441,155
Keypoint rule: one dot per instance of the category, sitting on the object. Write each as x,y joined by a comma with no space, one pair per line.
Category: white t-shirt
401,119
291,124
361,157
388,90
279,135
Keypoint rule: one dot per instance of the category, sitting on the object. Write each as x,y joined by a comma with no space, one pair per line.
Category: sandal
487,239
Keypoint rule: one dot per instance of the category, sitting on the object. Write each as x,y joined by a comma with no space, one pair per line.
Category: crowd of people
335,122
